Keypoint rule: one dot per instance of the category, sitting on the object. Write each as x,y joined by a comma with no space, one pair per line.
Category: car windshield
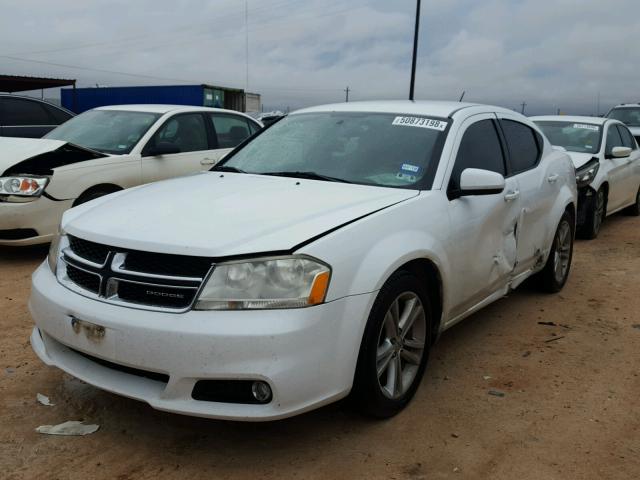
573,136
628,115
389,150
107,131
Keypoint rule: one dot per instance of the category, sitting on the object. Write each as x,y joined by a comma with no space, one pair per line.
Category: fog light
261,392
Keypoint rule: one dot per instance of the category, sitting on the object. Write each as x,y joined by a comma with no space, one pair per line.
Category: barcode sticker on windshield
420,122
586,127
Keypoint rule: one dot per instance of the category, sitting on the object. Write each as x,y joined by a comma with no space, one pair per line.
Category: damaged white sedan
323,258
103,151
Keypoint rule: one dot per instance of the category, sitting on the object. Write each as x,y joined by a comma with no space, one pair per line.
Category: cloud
552,55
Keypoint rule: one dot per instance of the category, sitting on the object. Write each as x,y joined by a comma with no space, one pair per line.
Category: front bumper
42,215
307,356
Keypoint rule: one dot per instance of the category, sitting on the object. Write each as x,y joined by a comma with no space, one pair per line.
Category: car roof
573,119
434,108
627,105
34,99
162,109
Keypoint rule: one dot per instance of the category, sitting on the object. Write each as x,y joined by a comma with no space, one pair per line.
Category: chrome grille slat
123,286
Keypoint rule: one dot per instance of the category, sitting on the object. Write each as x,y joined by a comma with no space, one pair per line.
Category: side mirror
620,152
163,148
475,181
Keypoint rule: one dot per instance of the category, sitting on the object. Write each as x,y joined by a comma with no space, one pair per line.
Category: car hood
221,214
39,156
635,131
580,159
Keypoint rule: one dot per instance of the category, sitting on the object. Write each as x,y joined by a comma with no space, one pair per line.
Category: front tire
595,216
555,273
395,347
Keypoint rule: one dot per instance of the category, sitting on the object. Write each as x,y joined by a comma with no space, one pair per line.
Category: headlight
277,282
586,173
23,186
54,251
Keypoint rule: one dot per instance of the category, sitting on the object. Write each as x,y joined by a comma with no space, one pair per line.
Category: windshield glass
628,115
574,137
107,131
389,150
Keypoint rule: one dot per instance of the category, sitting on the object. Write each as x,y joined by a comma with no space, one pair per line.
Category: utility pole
598,104
246,44
523,105
346,91
415,51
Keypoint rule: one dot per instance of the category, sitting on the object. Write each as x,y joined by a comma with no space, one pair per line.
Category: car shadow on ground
18,255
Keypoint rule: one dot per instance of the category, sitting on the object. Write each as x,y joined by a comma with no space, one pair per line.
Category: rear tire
596,214
555,273
634,210
395,347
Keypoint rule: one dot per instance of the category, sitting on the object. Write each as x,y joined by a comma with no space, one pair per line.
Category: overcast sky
550,54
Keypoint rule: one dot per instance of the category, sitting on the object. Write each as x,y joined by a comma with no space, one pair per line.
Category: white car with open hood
321,258
607,161
102,151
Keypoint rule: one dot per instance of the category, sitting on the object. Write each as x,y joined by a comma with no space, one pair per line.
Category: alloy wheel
598,212
562,253
401,344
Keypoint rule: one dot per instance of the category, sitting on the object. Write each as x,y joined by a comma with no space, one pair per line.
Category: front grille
155,281
163,264
94,252
87,281
163,296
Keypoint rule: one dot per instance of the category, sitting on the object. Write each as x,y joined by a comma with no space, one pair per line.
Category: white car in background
102,151
323,257
629,114
607,161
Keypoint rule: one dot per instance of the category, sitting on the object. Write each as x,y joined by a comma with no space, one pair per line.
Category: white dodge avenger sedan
322,258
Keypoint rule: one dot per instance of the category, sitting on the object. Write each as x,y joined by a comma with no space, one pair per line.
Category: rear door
617,168
230,131
188,132
23,117
483,247
632,169
537,188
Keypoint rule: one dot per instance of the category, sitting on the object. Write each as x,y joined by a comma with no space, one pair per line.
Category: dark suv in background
29,117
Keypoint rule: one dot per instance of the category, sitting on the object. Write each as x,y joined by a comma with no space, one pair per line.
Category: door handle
512,195
206,161
553,178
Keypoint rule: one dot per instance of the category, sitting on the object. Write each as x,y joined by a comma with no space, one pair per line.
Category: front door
189,133
483,250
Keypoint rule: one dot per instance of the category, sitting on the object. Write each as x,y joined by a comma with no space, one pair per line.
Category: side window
613,139
627,138
254,127
187,131
479,148
59,116
230,130
18,112
524,148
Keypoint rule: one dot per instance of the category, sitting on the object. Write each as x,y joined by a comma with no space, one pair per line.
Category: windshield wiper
307,175
225,168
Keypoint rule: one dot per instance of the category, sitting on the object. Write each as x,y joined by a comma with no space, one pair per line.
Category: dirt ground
570,409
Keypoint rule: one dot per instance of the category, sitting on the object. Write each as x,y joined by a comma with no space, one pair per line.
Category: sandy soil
570,409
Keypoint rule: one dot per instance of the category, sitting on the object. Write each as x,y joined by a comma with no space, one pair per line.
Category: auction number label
420,122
